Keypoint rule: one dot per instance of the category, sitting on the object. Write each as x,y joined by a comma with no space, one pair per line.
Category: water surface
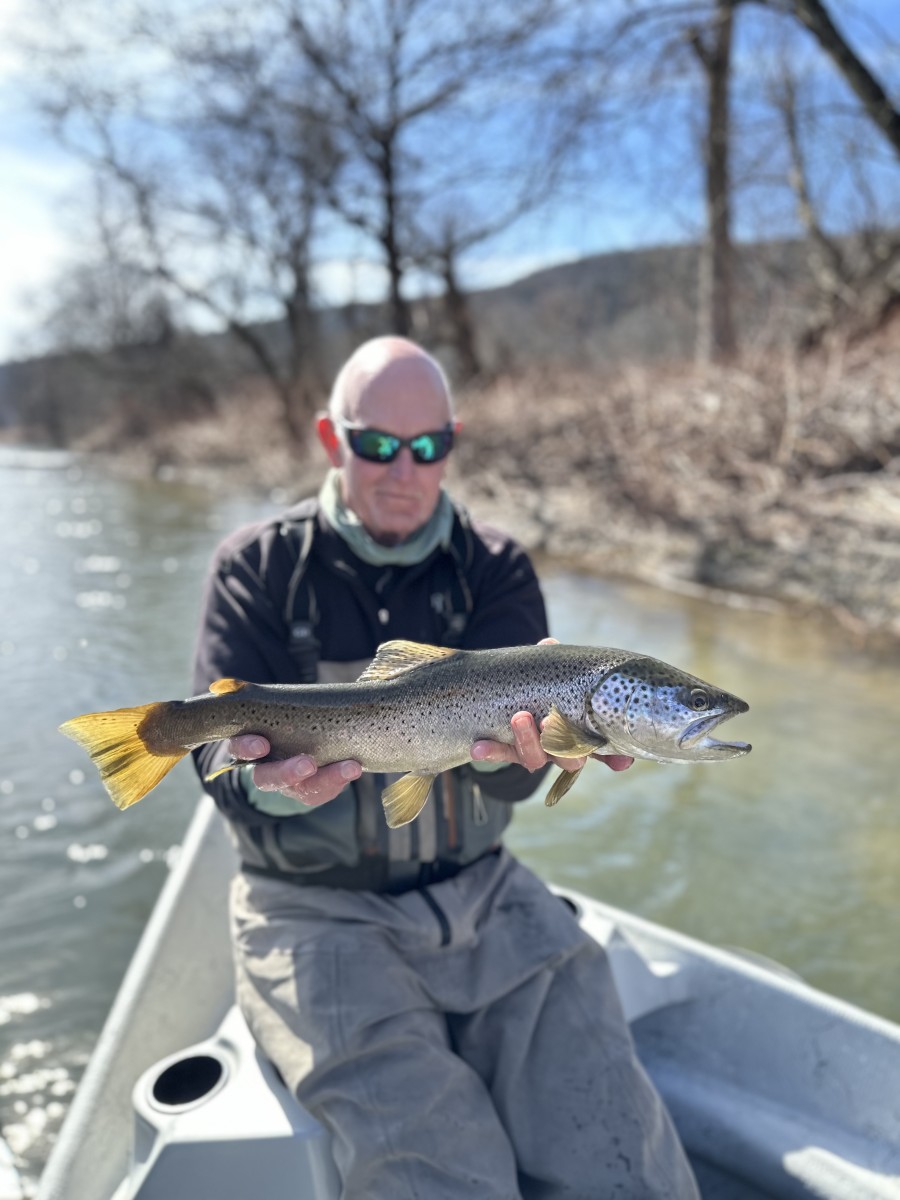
790,852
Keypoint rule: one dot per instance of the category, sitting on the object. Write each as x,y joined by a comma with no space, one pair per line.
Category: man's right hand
297,777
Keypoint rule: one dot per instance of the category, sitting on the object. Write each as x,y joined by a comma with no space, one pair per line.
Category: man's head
388,384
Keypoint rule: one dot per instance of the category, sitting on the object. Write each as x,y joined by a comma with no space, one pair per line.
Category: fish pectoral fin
405,799
229,766
561,785
562,738
396,657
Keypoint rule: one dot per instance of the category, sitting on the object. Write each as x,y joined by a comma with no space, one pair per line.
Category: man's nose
403,466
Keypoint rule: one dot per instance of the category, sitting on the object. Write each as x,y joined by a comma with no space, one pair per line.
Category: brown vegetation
777,476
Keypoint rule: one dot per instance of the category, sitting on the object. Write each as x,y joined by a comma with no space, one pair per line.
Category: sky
39,231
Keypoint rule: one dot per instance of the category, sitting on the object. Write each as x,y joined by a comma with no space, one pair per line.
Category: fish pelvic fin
396,657
561,785
405,799
562,738
128,768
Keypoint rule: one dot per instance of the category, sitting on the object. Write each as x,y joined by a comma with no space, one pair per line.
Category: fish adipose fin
395,658
405,799
128,768
561,785
564,739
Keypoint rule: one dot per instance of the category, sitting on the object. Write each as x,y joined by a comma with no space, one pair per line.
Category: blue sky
39,229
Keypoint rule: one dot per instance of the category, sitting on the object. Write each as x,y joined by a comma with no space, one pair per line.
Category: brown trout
419,708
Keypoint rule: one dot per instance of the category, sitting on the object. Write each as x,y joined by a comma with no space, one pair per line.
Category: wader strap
456,604
303,645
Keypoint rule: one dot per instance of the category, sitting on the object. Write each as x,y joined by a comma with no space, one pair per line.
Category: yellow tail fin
129,770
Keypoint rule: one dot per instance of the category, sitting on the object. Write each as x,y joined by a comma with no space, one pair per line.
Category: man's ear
330,439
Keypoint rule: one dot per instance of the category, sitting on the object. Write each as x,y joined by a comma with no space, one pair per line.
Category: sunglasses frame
448,431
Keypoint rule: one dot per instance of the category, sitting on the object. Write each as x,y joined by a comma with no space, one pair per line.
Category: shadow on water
790,852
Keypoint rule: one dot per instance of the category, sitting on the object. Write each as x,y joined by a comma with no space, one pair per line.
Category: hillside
777,476
632,306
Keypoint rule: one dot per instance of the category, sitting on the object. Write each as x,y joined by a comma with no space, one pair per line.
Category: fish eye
699,700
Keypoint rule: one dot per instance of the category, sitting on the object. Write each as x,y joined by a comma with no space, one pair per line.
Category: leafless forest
721,412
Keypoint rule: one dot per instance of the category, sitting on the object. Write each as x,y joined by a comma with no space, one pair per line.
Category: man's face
406,397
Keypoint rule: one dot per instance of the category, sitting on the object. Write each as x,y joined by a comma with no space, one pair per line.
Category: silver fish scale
423,720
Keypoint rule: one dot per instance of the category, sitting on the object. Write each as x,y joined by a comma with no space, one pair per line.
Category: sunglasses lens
376,446
373,445
432,447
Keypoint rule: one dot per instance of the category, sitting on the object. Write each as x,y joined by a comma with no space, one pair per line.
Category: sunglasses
376,446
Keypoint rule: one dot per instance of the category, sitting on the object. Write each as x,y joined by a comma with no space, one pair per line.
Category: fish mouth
696,736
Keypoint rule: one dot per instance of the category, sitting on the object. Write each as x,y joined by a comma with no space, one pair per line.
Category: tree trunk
715,318
459,316
871,94
401,322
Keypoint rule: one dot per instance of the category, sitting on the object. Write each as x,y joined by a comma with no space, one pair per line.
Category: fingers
248,746
487,751
527,750
615,762
530,752
300,779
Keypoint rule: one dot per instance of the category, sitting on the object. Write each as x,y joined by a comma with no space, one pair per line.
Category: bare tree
869,90
716,337
212,187
398,77
855,272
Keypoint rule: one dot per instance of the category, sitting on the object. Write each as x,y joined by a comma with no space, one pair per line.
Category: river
790,853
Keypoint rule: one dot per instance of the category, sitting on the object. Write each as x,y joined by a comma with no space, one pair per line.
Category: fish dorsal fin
224,687
394,658
564,739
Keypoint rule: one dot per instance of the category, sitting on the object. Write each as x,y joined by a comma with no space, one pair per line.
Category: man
422,993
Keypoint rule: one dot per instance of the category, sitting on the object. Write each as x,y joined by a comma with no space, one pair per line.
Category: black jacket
255,596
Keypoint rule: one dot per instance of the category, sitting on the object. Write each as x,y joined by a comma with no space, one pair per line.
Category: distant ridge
627,305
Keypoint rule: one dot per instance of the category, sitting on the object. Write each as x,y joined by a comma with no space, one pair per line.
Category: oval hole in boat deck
188,1080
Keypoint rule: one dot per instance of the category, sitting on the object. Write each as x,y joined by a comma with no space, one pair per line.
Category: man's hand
529,753
297,777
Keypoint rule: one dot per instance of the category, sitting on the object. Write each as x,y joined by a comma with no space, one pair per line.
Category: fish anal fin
405,799
224,687
561,785
396,657
117,744
562,738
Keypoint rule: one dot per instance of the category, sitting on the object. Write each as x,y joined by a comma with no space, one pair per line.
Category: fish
418,709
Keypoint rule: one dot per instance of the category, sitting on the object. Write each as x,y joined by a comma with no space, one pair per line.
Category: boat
777,1090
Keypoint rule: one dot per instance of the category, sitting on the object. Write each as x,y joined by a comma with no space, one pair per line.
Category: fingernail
304,768
256,746
478,752
350,770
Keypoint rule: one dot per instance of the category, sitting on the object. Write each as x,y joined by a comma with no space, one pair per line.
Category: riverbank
775,480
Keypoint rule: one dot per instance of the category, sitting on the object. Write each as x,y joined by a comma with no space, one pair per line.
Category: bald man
421,992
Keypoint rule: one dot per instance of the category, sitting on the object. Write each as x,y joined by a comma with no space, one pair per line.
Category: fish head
649,709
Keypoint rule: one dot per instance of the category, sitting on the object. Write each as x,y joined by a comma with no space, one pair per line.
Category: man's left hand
529,753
